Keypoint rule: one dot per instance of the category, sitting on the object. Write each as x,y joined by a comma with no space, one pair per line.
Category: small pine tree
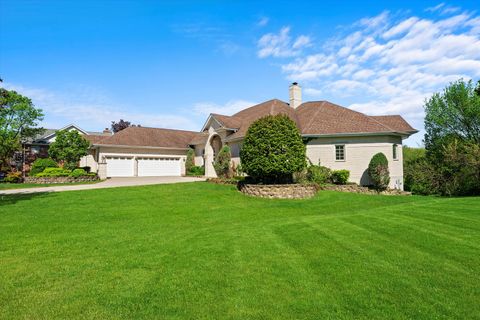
190,162
378,171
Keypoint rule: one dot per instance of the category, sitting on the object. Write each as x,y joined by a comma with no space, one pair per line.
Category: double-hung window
340,152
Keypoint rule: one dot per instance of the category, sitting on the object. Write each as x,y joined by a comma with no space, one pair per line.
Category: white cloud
229,108
435,8
280,45
263,21
391,62
93,111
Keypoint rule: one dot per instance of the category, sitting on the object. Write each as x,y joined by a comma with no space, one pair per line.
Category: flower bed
55,180
279,191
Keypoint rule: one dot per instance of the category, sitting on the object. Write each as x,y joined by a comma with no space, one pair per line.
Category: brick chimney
107,131
295,92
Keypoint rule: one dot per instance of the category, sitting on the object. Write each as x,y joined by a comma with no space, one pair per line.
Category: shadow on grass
9,199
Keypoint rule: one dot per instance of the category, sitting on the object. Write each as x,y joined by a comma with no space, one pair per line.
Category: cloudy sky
171,64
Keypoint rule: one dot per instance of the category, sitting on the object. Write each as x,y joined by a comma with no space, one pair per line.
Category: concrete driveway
109,183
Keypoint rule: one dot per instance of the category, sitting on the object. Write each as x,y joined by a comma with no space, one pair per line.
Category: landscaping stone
355,188
279,191
55,180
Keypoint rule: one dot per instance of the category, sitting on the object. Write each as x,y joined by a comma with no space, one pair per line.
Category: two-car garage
130,166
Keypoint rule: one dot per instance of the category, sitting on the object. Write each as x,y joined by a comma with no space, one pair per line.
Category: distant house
335,136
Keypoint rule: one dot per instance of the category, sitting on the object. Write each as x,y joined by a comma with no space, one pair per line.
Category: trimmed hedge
41,164
60,172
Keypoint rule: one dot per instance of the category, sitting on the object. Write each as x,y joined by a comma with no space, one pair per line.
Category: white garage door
119,167
156,167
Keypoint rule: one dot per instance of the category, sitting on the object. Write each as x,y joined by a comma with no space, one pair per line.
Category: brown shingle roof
249,115
229,122
395,122
151,137
95,138
323,117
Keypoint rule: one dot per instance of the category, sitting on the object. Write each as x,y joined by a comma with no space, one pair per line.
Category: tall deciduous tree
18,120
69,147
452,139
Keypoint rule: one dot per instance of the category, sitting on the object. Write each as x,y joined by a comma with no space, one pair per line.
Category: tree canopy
273,150
69,147
18,120
120,125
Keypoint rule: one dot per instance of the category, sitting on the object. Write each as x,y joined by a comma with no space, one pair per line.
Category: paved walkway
109,183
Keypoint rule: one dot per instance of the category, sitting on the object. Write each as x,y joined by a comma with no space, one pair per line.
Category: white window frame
344,151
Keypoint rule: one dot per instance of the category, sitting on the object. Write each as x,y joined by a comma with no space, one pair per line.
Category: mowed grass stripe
203,251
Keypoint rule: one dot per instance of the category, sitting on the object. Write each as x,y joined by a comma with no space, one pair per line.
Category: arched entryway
212,148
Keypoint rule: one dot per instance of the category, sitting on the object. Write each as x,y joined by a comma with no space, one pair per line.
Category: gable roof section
228,122
326,118
249,115
150,137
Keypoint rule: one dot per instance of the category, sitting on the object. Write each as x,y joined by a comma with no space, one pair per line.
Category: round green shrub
340,176
319,174
54,172
273,150
378,171
41,164
78,173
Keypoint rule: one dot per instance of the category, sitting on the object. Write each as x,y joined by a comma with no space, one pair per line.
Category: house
37,147
336,137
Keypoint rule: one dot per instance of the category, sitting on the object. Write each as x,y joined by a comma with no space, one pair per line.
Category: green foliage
410,154
41,164
196,171
13,177
340,176
452,141
455,113
273,150
54,172
378,171
69,147
319,174
222,163
420,177
78,173
190,161
18,120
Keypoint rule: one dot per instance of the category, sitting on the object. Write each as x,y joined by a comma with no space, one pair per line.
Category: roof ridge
315,115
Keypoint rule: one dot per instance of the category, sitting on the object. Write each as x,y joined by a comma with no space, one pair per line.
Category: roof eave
133,147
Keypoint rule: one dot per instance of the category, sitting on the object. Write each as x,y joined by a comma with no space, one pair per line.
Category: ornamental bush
319,174
378,171
54,172
78,173
41,164
340,176
273,150
196,171
190,161
222,163
13,177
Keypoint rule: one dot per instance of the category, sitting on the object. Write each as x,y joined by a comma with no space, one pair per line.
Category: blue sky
170,64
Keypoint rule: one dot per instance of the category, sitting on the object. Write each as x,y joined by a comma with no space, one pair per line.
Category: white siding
358,153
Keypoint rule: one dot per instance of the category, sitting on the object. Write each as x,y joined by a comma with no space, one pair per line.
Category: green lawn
7,186
205,251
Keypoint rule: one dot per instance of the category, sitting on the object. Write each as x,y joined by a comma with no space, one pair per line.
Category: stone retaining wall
359,189
55,180
279,191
